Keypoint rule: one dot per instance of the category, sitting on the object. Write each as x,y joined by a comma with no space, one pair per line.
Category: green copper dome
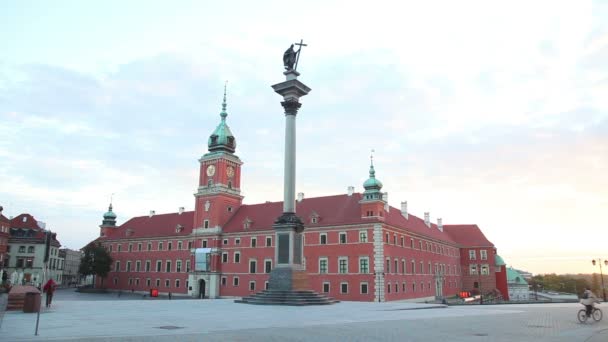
372,185
222,138
498,260
109,218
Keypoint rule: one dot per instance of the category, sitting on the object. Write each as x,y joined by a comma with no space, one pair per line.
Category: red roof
4,219
467,235
330,210
25,221
334,210
155,225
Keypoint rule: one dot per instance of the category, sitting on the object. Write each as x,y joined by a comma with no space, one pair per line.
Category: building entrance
201,289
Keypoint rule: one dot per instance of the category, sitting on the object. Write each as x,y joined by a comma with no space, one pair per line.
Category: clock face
210,170
230,171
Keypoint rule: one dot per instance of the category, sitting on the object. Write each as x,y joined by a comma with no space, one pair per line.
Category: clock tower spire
219,190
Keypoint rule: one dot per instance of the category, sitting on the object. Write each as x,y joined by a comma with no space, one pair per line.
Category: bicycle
596,313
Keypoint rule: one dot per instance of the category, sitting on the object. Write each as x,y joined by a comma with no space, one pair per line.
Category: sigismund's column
288,274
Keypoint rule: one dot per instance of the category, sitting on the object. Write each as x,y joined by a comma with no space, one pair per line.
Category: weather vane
291,57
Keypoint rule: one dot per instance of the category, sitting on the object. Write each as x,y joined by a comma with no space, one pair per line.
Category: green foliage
559,283
95,261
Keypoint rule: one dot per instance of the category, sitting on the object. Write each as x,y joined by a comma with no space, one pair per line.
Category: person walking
49,288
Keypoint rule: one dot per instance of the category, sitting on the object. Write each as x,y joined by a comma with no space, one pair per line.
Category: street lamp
599,261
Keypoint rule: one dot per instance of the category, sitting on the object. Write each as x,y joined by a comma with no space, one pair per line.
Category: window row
152,245
485,269
253,263
253,241
422,245
483,254
157,283
146,266
432,268
342,237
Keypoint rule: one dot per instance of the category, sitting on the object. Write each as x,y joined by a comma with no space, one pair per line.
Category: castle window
167,283
268,241
267,266
206,224
343,237
179,245
229,209
139,247
323,238
252,286
344,288
364,287
160,246
223,281
177,283
235,281
21,249
149,246
237,241
119,247
254,242
237,257
252,266
159,266
322,265
314,220
224,257
325,287
130,247
363,236
169,245
343,265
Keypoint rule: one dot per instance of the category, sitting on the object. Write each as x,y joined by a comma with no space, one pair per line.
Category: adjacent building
71,263
518,286
356,246
26,252
4,237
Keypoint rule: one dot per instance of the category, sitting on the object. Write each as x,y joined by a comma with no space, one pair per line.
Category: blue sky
482,112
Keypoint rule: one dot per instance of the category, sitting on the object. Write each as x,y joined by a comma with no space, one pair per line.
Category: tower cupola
222,139
372,185
109,218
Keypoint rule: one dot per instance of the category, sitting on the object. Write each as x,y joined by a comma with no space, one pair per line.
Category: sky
485,112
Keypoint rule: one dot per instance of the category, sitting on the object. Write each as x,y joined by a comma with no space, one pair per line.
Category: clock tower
219,188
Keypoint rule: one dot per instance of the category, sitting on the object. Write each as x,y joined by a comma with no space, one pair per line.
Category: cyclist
589,299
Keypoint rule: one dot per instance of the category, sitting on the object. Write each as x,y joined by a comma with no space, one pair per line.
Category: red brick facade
355,247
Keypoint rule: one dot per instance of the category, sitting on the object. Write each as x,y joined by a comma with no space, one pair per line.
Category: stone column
288,226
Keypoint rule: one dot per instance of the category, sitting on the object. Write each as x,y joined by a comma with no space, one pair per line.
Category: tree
95,261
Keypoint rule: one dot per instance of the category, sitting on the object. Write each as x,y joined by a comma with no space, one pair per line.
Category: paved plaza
107,317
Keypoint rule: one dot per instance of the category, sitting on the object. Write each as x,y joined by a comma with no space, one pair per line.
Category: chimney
351,190
152,212
427,218
404,209
385,199
440,224
300,196
181,210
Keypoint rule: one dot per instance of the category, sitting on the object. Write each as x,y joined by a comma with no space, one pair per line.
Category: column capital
291,106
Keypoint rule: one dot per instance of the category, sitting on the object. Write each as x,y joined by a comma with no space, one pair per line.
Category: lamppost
599,261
